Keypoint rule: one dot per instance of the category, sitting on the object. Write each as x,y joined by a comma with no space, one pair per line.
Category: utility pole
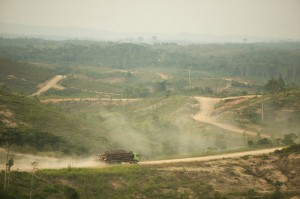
262,109
34,169
7,146
294,74
190,77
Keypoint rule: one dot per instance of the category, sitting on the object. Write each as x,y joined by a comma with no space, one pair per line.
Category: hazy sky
264,18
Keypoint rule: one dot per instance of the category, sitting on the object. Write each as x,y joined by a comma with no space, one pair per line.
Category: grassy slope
22,110
246,177
281,113
156,127
153,127
22,77
162,125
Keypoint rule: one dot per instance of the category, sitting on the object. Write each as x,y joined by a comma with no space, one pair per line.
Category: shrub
71,193
288,139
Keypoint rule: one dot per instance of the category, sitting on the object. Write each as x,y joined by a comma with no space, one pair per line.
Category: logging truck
119,156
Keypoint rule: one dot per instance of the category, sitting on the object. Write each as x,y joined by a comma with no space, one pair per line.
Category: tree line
262,60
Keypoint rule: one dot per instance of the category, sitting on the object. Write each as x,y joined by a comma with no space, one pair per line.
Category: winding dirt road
50,84
205,115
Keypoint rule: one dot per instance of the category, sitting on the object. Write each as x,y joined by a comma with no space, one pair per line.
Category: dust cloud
22,162
184,135
126,136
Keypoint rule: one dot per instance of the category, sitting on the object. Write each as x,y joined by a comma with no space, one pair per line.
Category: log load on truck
119,156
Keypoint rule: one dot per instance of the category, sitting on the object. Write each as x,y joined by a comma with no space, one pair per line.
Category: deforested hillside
156,128
46,123
161,100
274,113
22,77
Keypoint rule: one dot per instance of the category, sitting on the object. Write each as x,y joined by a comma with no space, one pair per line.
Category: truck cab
136,158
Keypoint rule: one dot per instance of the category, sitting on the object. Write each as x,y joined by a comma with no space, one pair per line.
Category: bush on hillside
291,149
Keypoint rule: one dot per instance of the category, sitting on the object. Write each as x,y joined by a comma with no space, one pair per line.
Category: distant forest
254,60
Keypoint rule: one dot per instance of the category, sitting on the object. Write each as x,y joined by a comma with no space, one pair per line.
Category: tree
71,193
9,137
288,139
275,85
264,142
278,141
9,164
160,86
34,169
250,143
251,114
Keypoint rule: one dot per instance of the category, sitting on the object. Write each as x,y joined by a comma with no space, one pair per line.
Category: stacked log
116,156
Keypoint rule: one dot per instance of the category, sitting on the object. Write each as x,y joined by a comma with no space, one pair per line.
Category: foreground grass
124,181
246,177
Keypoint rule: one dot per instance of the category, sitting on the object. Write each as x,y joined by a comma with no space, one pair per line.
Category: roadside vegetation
276,112
265,176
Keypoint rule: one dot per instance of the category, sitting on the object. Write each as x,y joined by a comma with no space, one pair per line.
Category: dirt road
204,115
23,161
57,100
163,76
214,157
50,84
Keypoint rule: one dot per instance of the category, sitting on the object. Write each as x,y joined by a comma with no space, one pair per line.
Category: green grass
31,113
86,84
22,77
113,182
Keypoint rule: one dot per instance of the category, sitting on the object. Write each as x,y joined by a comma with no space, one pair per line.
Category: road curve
204,115
215,157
